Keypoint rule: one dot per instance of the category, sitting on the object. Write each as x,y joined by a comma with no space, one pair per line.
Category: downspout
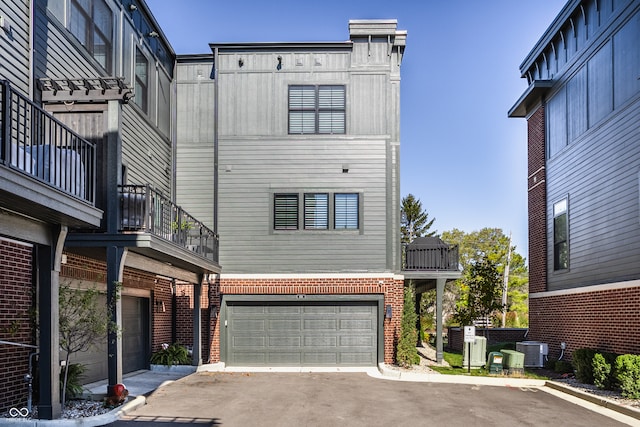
215,144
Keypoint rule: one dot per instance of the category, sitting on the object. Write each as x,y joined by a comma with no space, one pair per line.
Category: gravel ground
613,395
73,409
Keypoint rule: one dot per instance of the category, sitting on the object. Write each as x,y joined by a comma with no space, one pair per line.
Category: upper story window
91,22
560,236
317,109
316,211
346,211
320,211
285,215
142,81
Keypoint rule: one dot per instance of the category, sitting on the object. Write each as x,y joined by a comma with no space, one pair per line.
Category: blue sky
460,154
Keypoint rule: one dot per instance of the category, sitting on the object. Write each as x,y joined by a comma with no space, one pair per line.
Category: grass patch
455,359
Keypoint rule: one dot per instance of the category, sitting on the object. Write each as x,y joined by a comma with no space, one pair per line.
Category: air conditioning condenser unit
534,353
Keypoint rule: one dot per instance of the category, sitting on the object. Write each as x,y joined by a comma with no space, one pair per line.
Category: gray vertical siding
600,176
147,152
15,48
195,136
594,161
258,158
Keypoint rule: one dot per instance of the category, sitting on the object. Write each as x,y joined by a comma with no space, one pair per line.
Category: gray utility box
478,353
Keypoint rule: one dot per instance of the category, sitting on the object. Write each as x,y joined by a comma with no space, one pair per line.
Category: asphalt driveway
350,399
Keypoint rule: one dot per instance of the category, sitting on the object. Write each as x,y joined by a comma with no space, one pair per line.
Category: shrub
627,369
562,367
174,354
602,373
583,363
406,353
76,371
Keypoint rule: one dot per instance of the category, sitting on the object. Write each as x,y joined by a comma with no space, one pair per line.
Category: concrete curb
98,420
597,400
392,374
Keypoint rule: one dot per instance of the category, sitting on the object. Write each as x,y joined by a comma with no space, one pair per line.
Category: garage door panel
286,342
321,324
301,333
282,358
356,309
246,310
355,358
251,358
283,309
321,341
350,341
244,342
321,309
311,359
356,324
250,325
285,325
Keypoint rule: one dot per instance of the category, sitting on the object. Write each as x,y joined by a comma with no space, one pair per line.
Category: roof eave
530,97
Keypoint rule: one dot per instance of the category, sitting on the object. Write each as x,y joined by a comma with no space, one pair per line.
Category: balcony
145,210
47,170
36,144
429,254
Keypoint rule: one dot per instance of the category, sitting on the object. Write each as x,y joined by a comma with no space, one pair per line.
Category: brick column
537,202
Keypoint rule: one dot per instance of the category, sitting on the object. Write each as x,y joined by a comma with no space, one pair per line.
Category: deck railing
438,258
143,209
35,143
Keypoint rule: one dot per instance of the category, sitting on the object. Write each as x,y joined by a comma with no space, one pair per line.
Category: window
346,211
91,22
560,236
285,214
317,109
141,80
319,211
316,211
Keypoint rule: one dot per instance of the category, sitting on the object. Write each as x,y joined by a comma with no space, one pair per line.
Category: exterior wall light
388,312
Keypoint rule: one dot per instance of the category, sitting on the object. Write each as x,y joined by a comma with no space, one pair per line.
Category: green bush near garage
627,372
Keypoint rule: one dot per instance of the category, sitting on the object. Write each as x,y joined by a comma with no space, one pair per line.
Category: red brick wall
607,320
16,304
162,320
390,288
537,202
184,317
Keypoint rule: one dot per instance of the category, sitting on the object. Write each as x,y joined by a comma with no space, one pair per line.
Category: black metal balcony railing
143,209
35,143
436,258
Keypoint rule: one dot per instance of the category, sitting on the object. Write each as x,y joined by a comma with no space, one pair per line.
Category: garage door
301,334
135,347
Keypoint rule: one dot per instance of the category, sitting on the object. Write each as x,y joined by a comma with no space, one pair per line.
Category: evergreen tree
482,292
414,220
407,354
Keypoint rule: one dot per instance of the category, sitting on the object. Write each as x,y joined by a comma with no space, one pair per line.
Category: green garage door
301,334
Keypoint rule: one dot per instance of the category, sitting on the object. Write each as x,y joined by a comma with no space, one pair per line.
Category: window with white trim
141,81
91,22
560,235
317,109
